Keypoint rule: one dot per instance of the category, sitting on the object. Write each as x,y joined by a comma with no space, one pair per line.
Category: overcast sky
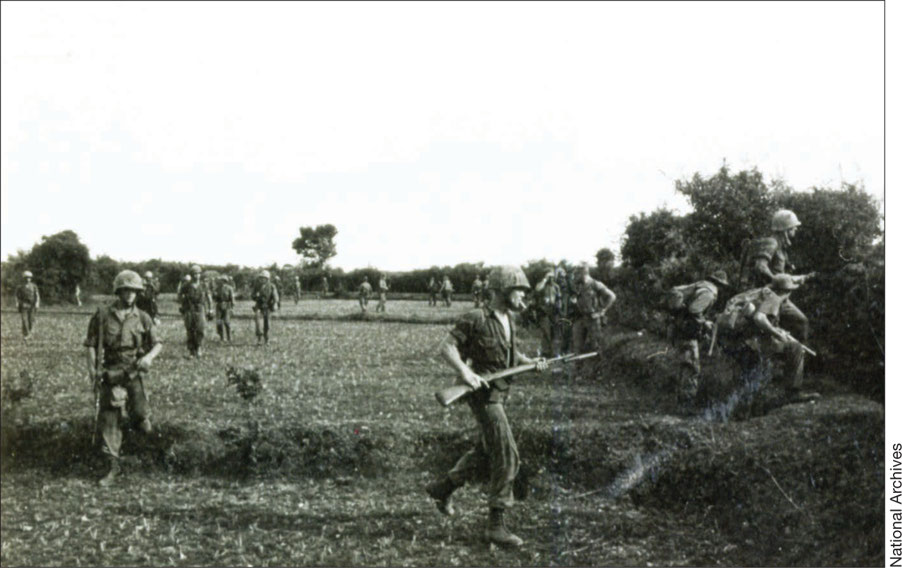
427,133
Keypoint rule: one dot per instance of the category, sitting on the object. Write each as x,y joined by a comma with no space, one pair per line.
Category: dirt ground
328,466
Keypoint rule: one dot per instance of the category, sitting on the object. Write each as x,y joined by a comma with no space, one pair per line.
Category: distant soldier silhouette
28,300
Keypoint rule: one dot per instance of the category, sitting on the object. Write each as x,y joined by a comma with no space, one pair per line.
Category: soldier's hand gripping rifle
449,395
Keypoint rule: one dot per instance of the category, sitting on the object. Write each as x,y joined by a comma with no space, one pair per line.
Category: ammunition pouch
118,397
118,377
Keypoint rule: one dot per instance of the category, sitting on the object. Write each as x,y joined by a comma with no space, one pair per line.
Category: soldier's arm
150,339
37,297
450,353
607,295
90,346
700,304
761,320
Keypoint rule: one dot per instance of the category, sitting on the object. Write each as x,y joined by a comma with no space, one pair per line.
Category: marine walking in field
195,302
297,290
225,303
488,338
767,257
266,298
78,295
565,284
277,283
433,287
325,284
447,290
28,301
383,293
689,306
147,298
477,292
363,293
590,302
751,333
550,305
121,345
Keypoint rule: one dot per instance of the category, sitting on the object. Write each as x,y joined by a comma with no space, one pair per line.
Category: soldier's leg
201,323
266,316
31,318
794,321
258,324
227,324
24,317
545,324
220,327
504,460
578,334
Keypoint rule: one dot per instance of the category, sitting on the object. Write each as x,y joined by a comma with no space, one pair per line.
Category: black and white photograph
446,284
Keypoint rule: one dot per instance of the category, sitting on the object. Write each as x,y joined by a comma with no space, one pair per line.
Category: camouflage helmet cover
783,220
719,277
27,274
148,274
129,280
783,283
264,274
508,276
195,269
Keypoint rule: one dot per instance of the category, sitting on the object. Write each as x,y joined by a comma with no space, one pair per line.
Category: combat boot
111,475
497,533
441,491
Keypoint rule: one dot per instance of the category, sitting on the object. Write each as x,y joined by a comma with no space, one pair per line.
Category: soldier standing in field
768,256
225,303
549,300
689,306
120,347
363,293
147,298
565,284
433,289
751,332
488,338
277,282
77,295
297,290
477,292
325,286
591,300
195,302
383,291
447,290
28,300
266,298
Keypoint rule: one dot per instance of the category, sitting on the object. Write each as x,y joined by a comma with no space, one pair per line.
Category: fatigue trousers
551,335
380,307
261,323
27,315
586,335
495,454
194,326
110,419
476,299
224,322
794,321
364,301
791,354
433,299
446,297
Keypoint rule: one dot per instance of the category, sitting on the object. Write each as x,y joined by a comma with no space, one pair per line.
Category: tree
604,263
59,262
316,244
653,238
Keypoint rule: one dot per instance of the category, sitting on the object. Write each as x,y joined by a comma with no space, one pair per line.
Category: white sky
427,133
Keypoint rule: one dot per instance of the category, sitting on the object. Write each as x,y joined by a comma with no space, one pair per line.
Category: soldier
147,299
591,300
277,282
120,347
225,302
549,300
325,286
195,302
447,290
565,284
750,329
434,288
383,291
297,289
78,295
363,293
28,300
477,291
266,298
486,292
487,337
766,257
689,305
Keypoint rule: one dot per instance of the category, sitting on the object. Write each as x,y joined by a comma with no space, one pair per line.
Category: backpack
675,298
735,314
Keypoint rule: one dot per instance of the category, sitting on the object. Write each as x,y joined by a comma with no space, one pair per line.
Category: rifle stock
452,394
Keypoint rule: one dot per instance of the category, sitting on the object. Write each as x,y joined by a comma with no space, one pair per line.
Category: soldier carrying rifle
120,347
488,338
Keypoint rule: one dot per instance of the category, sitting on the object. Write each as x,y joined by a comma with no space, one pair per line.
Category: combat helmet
129,280
508,276
783,220
195,269
719,277
264,274
148,274
783,283
27,274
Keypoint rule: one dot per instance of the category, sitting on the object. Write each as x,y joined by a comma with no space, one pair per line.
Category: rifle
98,372
805,348
449,395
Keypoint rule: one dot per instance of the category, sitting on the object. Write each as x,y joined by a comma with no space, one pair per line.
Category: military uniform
266,298
128,334
383,294
147,298
28,300
363,294
589,317
325,286
434,287
752,346
773,251
550,305
477,292
689,326
564,283
225,302
195,302
297,290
